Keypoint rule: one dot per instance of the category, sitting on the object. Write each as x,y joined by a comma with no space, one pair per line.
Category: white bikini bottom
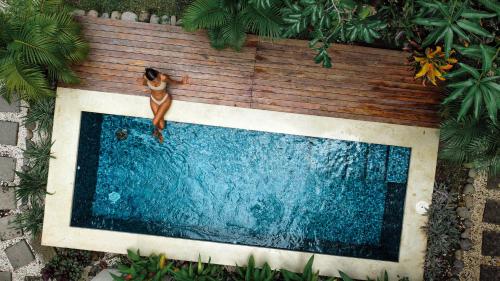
159,102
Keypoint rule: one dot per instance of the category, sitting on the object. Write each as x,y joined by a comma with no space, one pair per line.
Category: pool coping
71,102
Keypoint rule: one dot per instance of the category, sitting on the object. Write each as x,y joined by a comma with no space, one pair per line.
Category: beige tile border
70,103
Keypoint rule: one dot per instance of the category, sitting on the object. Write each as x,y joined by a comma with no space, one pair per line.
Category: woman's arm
185,80
142,80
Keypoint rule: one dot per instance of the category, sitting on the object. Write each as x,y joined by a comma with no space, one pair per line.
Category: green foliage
252,273
38,42
31,189
198,272
307,274
40,113
66,266
442,232
329,21
479,89
152,268
450,20
159,7
472,141
228,22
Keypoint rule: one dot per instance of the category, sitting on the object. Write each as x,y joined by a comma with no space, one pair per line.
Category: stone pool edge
70,103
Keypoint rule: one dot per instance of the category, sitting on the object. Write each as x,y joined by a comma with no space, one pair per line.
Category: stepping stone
105,275
33,278
492,212
7,229
6,107
5,276
491,244
9,132
129,16
7,167
493,183
7,199
19,254
489,273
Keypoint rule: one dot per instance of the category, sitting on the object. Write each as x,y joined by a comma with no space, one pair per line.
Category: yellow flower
433,65
163,261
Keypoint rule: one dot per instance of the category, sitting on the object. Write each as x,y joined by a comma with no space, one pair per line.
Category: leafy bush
198,272
153,268
442,232
38,42
33,180
228,22
67,265
472,141
307,274
252,273
330,21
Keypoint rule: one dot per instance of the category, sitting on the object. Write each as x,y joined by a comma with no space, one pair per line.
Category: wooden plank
176,91
132,75
337,78
112,67
339,115
401,113
193,85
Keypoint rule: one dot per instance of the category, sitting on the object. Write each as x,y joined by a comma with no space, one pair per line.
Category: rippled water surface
240,186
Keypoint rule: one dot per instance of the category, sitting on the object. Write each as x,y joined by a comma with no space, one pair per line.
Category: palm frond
264,22
233,33
205,14
41,113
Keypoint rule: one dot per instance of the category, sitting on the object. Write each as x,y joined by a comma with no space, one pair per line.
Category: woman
160,100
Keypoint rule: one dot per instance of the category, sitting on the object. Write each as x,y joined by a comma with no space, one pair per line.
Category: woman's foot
160,137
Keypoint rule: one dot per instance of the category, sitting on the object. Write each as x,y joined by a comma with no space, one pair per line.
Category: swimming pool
232,182
240,186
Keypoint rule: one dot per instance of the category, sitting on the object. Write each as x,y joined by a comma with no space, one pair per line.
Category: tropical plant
442,232
308,274
479,89
399,15
472,141
39,40
449,20
198,272
152,268
228,21
433,65
67,265
331,21
252,273
41,114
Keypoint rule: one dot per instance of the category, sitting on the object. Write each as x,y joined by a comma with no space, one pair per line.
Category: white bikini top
162,86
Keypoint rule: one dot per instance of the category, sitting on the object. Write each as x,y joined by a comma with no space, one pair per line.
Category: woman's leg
160,113
154,108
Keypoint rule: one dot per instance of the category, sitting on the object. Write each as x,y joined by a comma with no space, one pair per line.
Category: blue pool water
240,186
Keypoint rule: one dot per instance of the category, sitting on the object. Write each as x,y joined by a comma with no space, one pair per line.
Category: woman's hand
141,80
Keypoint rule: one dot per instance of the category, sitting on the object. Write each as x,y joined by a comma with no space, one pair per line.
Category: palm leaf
205,14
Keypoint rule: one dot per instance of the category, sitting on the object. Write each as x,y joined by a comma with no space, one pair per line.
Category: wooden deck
364,83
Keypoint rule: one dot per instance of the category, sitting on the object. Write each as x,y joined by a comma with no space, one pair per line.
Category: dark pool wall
238,186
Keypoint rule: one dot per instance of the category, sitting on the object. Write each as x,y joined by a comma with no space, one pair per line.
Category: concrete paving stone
489,273
7,228
7,167
7,199
105,275
19,254
6,107
492,212
33,278
491,244
5,276
8,132
493,182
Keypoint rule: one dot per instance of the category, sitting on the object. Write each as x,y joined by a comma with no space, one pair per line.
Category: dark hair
151,73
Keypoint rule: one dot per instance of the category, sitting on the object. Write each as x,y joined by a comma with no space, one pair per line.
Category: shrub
38,42
153,268
252,273
198,272
228,22
442,232
67,265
